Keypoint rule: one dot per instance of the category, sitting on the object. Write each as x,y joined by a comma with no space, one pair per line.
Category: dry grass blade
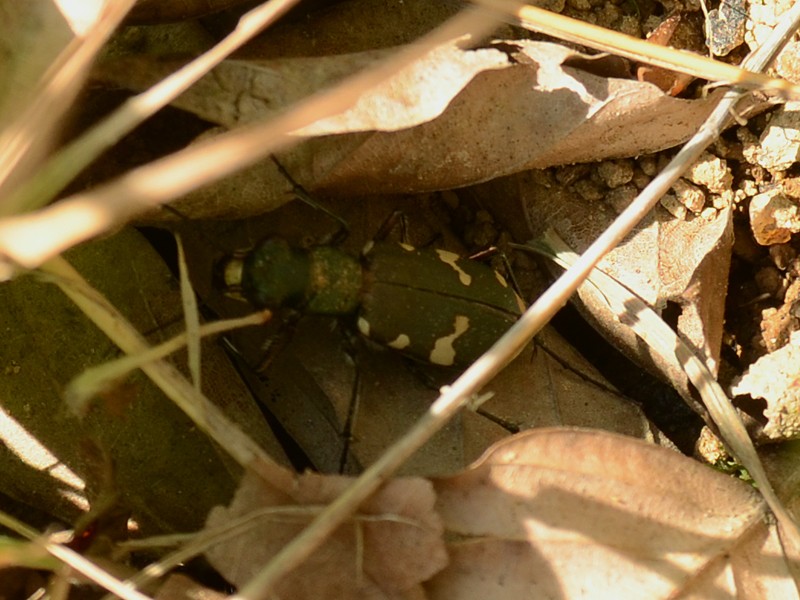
190,315
94,379
29,240
72,159
635,313
195,545
206,415
481,372
69,557
599,38
59,86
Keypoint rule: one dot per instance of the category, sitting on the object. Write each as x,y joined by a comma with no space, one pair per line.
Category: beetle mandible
429,304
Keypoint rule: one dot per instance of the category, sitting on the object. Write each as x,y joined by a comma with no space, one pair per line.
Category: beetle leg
495,252
350,422
397,218
275,344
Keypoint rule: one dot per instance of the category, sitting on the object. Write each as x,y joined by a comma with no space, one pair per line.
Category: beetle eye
227,276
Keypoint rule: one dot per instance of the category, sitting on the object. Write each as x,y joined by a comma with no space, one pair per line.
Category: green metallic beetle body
428,304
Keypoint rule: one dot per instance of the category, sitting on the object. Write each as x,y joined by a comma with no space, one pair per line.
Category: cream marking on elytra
363,326
443,352
450,258
407,247
368,247
402,341
500,279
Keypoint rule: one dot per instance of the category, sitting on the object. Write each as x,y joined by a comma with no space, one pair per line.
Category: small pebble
711,172
769,280
709,213
673,205
619,198
780,142
648,165
589,190
773,218
691,196
615,173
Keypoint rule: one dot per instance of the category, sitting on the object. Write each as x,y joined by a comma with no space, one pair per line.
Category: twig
614,42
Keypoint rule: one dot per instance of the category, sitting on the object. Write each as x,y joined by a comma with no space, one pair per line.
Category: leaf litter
690,584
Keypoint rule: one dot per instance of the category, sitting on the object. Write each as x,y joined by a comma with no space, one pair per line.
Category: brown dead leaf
391,545
352,26
548,385
669,81
557,513
666,260
418,132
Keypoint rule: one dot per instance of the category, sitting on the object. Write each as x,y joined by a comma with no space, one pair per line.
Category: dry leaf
666,260
391,545
669,81
549,384
350,26
575,514
417,131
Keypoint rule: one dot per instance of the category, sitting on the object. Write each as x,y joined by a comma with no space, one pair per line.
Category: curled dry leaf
776,378
437,124
664,261
671,82
392,544
569,514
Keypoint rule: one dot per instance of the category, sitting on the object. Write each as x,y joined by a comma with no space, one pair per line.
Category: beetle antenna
183,218
302,194
509,271
396,219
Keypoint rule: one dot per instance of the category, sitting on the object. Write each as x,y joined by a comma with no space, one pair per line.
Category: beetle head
272,275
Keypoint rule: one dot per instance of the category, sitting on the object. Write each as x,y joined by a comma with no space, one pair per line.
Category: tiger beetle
429,304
